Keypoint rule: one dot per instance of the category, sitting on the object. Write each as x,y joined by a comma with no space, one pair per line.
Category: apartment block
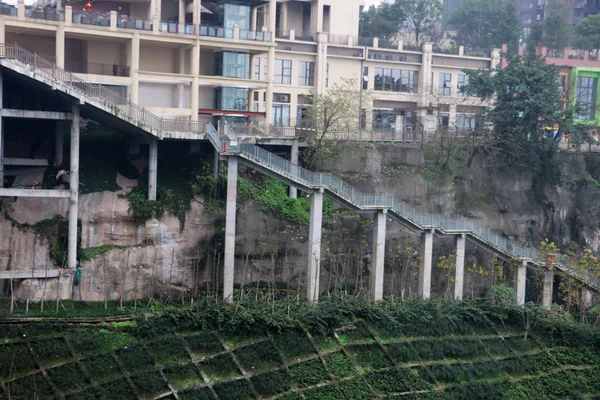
248,61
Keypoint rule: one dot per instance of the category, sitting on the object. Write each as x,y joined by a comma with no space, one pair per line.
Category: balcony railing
98,69
94,18
45,14
175,27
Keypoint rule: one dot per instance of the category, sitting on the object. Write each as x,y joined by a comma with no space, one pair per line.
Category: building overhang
230,113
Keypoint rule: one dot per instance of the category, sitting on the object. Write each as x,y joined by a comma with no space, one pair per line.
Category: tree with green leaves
553,31
526,103
422,16
486,24
383,21
587,36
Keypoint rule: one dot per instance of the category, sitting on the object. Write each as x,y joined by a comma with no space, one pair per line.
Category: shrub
119,389
329,392
101,367
402,352
271,383
150,384
31,387
51,351
238,389
356,389
220,367
369,357
203,344
309,373
135,358
183,376
339,365
293,344
66,377
169,351
15,360
197,394
258,356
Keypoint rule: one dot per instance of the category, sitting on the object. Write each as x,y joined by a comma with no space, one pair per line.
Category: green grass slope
344,349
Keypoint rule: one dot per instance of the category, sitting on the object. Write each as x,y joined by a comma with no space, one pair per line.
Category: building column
548,286
521,282
294,160
74,189
230,215
270,79
378,257
195,71
59,142
254,20
426,259
283,19
1,134
316,17
459,280
134,67
424,92
152,169
2,32
314,247
181,16
60,46
196,12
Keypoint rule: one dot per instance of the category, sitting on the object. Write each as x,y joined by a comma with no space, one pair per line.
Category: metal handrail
121,106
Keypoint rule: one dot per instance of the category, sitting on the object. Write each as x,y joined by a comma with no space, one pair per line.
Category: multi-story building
246,60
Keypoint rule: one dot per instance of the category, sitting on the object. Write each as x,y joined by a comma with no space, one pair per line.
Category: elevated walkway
101,101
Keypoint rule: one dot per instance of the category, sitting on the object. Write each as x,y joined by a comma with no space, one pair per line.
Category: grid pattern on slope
357,359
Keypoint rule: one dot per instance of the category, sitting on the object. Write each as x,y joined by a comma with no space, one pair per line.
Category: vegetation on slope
346,348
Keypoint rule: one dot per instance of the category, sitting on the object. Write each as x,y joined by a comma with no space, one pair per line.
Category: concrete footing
459,280
230,221
378,257
152,169
548,286
426,260
521,283
74,188
314,247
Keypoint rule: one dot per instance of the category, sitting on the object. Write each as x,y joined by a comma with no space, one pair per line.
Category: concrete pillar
59,142
272,18
424,77
283,19
270,79
2,32
195,71
60,46
254,19
113,21
378,257
321,63
74,189
68,16
521,282
548,286
21,9
230,215
197,12
1,133
426,260
152,169
294,160
135,66
316,17
314,247
459,280
181,16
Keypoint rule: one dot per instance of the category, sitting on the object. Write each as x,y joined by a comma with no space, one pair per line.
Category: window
463,80
300,115
562,81
232,99
395,80
365,84
526,4
307,73
443,121
327,75
525,17
586,98
266,68
445,87
257,68
384,120
232,64
281,115
283,71
525,33
466,122
578,12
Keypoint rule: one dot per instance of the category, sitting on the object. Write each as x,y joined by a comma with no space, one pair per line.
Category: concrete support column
272,18
68,16
270,79
60,46
425,75
426,259
181,16
152,169
459,280
197,12
1,133
59,142
135,67
74,189
2,32
314,247
378,257
228,268
195,71
548,286
321,64
283,19
254,19
521,283
294,160
316,17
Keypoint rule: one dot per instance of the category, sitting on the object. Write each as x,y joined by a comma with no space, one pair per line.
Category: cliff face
162,260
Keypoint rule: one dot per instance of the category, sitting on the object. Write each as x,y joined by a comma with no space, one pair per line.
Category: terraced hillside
363,358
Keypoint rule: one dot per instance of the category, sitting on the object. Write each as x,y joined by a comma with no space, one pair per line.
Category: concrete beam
294,160
152,170
426,259
28,274
314,247
521,283
378,257
74,189
230,225
27,162
29,114
459,280
57,194
548,286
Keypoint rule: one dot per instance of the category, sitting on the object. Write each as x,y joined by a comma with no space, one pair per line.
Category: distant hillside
345,349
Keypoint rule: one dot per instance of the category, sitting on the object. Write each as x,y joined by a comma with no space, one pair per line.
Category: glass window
384,120
266,68
463,80
562,81
232,99
281,115
443,121
283,71
525,17
526,4
365,84
445,87
257,68
307,73
235,14
232,64
395,80
327,75
466,122
586,98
